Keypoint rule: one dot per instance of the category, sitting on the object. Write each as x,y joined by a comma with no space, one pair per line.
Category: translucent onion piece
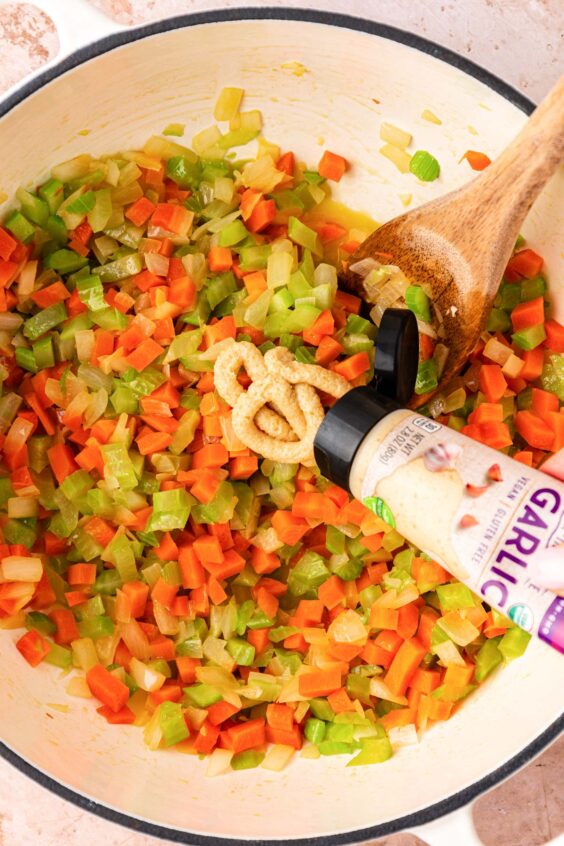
166,622
381,690
136,640
278,757
219,762
403,736
157,264
19,568
145,677
449,654
364,266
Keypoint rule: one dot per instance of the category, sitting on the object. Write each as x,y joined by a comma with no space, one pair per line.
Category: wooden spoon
457,247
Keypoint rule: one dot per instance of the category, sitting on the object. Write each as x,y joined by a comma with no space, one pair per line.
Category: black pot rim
84,54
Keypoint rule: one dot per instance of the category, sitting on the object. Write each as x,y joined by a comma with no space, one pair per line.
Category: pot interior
318,87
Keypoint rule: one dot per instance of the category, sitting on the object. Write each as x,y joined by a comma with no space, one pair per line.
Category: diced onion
348,628
166,622
20,507
78,686
397,156
84,653
364,266
136,640
460,630
278,757
381,690
395,136
449,654
84,340
145,677
157,264
219,762
20,568
403,736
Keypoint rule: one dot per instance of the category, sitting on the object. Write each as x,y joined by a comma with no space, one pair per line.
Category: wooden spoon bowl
457,247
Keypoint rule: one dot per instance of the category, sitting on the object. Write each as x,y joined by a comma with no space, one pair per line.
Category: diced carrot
140,212
487,412
264,562
329,232
289,529
319,682
332,592
327,351
100,530
527,314
164,592
247,735
476,160
206,739
32,645
543,402
526,263
492,382
534,430
144,355
221,711
425,681
187,668
259,639
314,506
353,366
398,718
242,467
7,245
182,292
408,621
208,550
107,688
220,330
554,336
340,701
533,362
138,593
403,666
67,629
52,294
440,710
279,716
348,302
81,574
262,215
383,618
332,166
286,164
220,259
62,461
211,455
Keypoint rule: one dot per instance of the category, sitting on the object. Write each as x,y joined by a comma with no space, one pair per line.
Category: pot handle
78,23
454,828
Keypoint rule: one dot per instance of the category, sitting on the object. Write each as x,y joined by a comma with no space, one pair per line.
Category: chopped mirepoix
242,608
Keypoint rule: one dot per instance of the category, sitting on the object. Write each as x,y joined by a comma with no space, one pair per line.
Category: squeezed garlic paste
485,517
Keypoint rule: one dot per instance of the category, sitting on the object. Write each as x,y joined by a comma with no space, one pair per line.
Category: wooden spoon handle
514,180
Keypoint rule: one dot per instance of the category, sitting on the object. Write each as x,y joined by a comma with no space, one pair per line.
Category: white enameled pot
123,89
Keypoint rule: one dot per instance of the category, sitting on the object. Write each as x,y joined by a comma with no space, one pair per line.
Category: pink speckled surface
521,41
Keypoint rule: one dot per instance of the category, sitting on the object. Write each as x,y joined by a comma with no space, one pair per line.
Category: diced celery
255,257
237,138
308,574
488,658
202,695
552,377
498,321
65,261
347,569
299,286
35,209
241,651
172,723
303,235
108,318
171,510
232,234
424,166
44,353
22,531
313,177
77,484
52,192
183,171
510,295
82,204
533,288
418,302
20,227
336,747
304,355
291,320
454,596
513,643
121,268
314,730
357,686
247,760
59,656
145,382
44,320
321,709
100,214
339,732
41,622
281,300
529,338
220,287
26,359
96,627
427,377
353,344
121,555
374,750
107,582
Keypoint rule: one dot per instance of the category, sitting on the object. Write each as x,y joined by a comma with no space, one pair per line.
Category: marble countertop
522,42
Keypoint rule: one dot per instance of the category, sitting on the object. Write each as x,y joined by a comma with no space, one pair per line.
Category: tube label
482,515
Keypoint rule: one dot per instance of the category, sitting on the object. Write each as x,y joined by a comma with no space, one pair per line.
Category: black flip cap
352,417
344,428
397,355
